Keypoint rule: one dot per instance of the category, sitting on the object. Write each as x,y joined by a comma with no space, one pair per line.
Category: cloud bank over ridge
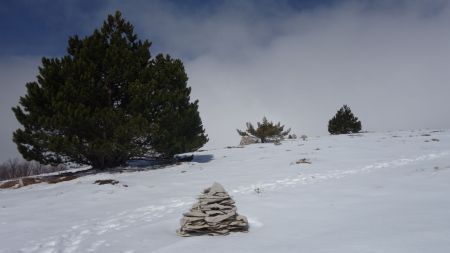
388,60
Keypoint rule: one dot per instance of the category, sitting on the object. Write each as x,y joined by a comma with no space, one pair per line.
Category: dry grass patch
10,184
25,181
59,179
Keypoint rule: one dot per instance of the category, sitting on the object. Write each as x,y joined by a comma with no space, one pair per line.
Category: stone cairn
213,214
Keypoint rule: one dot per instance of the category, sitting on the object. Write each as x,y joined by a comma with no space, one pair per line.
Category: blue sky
42,27
293,61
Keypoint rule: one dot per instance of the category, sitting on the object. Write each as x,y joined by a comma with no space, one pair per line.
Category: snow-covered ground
374,192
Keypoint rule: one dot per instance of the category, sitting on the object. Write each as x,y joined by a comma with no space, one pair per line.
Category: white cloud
15,72
387,61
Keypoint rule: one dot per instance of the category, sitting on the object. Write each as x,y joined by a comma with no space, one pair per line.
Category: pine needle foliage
107,101
265,130
344,122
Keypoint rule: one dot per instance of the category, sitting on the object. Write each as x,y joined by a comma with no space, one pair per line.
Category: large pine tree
107,101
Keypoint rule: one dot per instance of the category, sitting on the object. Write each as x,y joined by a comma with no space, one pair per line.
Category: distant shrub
292,136
344,122
265,131
15,168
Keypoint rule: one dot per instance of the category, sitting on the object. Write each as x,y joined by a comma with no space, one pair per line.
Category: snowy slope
374,192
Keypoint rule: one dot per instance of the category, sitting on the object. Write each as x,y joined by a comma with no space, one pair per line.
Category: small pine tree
265,130
107,101
344,122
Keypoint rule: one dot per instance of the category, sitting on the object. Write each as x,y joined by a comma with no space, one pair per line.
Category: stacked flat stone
213,214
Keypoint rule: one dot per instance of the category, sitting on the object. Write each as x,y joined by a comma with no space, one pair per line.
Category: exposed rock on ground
247,140
303,160
106,181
